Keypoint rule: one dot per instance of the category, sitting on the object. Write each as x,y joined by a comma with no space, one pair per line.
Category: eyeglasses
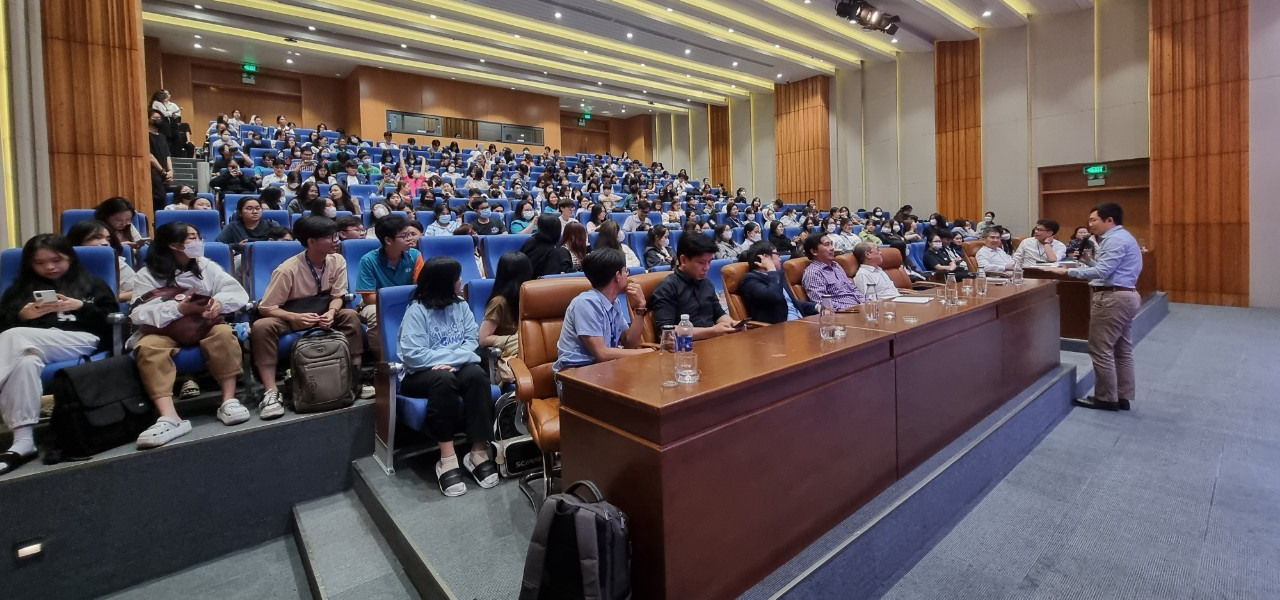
407,237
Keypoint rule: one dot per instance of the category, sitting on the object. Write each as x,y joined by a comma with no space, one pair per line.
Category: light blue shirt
444,336
1119,261
590,314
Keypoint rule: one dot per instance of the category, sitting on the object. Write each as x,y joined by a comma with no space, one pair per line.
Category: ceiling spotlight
198,37
734,86
404,45
288,61
642,64
198,7
582,105
986,13
311,27
735,63
544,72
624,110
644,91
599,83
517,36
777,46
432,16
630,35
482,60
688,51
862,13
730,30
669,9
893,41
779,75
558,15
688,100
198,46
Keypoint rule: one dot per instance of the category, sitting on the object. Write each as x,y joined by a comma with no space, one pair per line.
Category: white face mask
831,228
1005,236
937,245
754,237
622,236
194,248
664,242
528,215
728,235
330,212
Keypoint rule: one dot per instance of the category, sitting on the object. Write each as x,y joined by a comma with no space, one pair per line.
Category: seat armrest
524,380
118,322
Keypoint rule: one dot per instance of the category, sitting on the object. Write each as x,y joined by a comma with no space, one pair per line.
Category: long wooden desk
1075,296
786,434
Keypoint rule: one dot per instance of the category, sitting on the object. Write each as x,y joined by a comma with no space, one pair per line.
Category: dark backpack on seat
99,405
580,549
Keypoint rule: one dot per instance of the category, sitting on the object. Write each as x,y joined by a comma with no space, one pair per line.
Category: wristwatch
641,310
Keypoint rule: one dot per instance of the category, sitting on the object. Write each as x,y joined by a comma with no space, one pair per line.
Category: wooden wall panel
1200,149
634,136
803,140
720,146
95,102
958,122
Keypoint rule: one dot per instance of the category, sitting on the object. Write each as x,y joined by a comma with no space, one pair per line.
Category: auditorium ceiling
615,55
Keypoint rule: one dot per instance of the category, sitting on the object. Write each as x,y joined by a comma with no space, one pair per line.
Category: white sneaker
190,389
366,392
232,412
162,432
271,407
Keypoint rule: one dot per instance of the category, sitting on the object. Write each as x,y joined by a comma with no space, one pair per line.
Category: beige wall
699,154
916,134
662,142
764,182
740,145
680,146
880,147
1264,148
846,139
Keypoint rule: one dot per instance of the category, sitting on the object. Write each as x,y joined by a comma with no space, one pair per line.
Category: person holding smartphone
54,311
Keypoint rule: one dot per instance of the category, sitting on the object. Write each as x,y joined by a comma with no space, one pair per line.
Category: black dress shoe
1091,402
1124,404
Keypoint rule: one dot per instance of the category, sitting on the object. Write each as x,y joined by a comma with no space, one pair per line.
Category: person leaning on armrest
764,288
595,324
687,292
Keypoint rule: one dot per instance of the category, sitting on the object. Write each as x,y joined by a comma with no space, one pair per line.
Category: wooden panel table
1074,295
785,435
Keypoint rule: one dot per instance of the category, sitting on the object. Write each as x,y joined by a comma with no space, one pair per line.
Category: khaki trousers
1111,344
221,350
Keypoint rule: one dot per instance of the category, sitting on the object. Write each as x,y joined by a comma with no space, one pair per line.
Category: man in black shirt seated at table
764,289
687,291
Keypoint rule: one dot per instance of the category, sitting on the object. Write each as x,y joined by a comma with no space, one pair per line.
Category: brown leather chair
849,263
892,266
649,282
794,270
733,274
971,248
543,303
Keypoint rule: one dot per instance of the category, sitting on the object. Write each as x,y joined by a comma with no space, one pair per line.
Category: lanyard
319,285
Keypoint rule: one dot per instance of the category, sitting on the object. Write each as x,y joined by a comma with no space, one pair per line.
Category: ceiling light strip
411,65
700,26
397,34
574,39
832,24
1022,7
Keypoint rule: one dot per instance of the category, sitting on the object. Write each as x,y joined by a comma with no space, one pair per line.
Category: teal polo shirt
376,274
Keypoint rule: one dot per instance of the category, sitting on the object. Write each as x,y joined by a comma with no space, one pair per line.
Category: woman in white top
96,233
163,102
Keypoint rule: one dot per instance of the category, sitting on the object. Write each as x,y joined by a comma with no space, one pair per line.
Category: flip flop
10,460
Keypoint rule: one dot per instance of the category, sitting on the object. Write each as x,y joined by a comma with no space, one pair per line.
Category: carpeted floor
1179,498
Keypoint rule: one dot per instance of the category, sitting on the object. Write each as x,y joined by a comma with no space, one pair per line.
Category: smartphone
741,324
45,296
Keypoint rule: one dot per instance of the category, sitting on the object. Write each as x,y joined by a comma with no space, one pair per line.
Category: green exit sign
587,116
250,68
1096,171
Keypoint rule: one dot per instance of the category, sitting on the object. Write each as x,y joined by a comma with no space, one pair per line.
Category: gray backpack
321,377
580,549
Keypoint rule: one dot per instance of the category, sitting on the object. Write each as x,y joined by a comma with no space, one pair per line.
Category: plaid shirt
821,278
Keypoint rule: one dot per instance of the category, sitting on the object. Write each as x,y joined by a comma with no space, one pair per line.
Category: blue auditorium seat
915,252
279,216
714,273
493,247
478,292
353,251
71,216
459,247
205,221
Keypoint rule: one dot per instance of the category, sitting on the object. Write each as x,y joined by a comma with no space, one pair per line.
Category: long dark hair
607,236
75,283
160,258
112,206
83,229
514,268
437,283
548,229
575,239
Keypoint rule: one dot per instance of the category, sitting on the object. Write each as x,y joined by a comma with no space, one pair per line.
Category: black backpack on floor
99,405
580,549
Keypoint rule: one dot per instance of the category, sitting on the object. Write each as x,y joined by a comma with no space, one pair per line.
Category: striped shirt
829,278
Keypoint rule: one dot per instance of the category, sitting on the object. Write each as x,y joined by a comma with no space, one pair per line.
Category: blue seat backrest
98,260
675,240
478,292
459,247
71,216
293,218
638,240
363,189
281,217
262,259
494,246
857,229
620,218
915,251
229,202
715,274
792,231
10,264
205,221
353,251
738,235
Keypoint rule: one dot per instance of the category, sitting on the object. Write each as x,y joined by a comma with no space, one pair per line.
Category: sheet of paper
913,299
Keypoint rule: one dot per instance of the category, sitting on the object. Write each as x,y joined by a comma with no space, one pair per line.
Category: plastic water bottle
686,362
872,306
667,356
826,319
952,290
1017,273
980,285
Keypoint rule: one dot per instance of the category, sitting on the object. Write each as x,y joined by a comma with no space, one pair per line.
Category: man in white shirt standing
1041,247
991,257
870,273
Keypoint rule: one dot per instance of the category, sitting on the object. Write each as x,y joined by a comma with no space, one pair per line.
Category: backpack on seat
580,549
321,378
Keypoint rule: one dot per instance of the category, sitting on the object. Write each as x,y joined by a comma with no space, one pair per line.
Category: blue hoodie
444,336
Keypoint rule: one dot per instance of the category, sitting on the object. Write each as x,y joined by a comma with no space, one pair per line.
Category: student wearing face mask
486,223
725,246
444,223
524,216
657,252
938,260
751,233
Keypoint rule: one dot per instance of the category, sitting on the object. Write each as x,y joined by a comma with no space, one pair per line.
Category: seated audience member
1041,247
351,227
869,273
824,276
306,291
566,211
778,237
392,203
396,262
844,238
96,233
596,325
598,215
486,223
764,288
182,199
247,225
279,234
234,181
544,250
342,199
639,220
118,214
868,233
437,345
688,292
611,236
272,199
307,195
938,260
909,234
278,177
751,233
732,216
1081,245
725,246
524,217
33,334
323,207
966,228
574,241
351,175
444,223
789,218
657,250
956,251
502,311
608,199
988,220
176,265
467,230
991,257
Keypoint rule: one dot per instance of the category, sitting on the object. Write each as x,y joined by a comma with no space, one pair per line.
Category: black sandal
481,471
10,460
449,479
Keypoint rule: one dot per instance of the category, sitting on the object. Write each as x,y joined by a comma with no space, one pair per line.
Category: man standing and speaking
1113,280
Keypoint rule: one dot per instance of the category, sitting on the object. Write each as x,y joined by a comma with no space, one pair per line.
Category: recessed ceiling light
584,99
297,54
513,88
644,91
288,60
688,51
807,1
688,75
337,74
986,13
777,46
642,64
544,72
585,52
311,27
630,35
624,110
730,30
198,37
582,105
517,36
669,9
432,16
779,75
735,63
198,46
198,7
688,100
557,15
733,86
599,83
404,45
894,40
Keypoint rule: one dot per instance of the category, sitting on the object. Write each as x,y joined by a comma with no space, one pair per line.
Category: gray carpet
1179,498
271,571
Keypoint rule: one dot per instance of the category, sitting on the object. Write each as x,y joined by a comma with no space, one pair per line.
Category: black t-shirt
159,147
493,227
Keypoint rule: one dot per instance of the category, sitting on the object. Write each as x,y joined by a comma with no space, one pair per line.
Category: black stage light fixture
867,16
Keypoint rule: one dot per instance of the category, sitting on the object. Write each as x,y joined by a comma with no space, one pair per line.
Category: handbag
98,405
187,330
317,304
